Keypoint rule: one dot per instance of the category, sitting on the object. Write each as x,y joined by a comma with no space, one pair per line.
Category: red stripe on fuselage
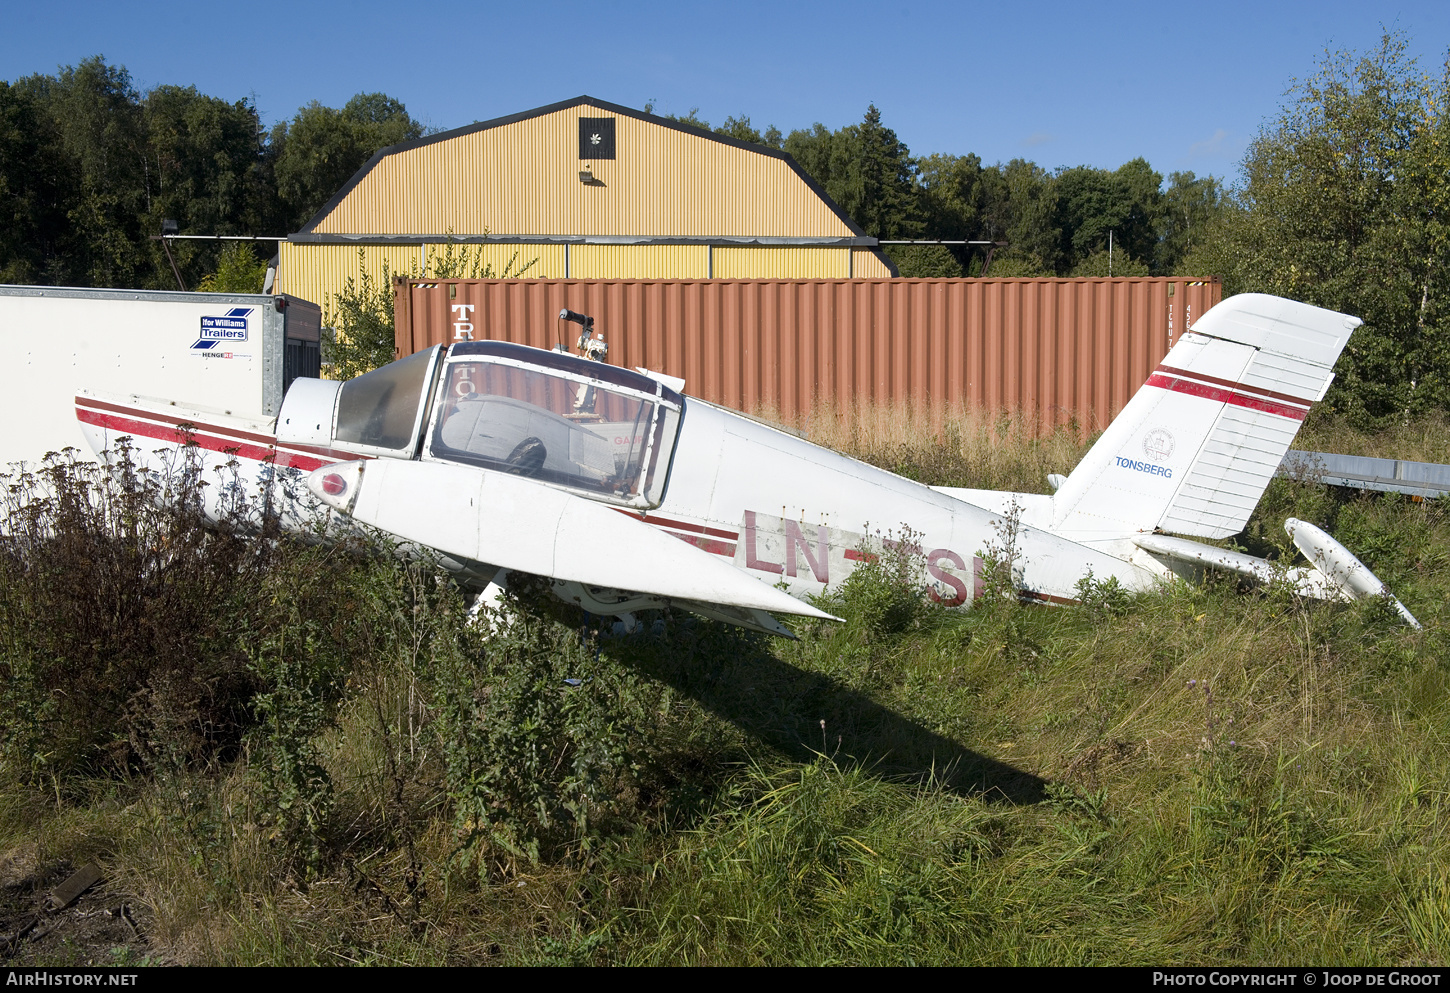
669,522
172,433
701,538
1235,395
1061,601
328,455
712,545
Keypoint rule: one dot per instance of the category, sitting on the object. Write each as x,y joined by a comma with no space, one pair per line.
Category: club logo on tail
1158,445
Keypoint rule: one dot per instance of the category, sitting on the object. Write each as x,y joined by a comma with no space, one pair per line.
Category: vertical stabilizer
1194,449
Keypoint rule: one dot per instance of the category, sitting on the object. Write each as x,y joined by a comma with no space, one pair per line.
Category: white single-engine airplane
629,495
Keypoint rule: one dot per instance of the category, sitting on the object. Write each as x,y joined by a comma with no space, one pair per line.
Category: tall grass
1425,439
1201,775
946,446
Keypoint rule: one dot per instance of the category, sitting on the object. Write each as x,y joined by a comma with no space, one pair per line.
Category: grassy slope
1197,776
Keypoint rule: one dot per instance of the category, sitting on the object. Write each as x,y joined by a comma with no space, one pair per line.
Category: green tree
881,190
204,167
866,170
953,194
238,271
97,114
1115,262
39,186
1191,209
206,154
1342,204
693,119
93,167
1021,209
321,148
815,151
741,130
1139,187
1090,203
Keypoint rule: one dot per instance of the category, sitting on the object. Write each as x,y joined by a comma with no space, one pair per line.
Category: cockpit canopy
382,410
604,432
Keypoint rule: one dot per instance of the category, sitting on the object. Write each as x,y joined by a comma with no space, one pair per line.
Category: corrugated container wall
1051,350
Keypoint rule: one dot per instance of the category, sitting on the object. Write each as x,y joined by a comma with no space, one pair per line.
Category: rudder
1194,449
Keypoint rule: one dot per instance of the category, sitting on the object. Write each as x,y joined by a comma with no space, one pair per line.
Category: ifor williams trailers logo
219,332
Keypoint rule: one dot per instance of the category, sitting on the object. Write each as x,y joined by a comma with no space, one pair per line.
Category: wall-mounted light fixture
586,176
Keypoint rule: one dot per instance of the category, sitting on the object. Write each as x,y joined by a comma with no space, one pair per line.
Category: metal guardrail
1421,479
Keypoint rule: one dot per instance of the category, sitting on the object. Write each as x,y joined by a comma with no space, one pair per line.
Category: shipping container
235,353
1051,351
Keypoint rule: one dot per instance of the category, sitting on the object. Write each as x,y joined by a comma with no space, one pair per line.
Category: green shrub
541,733
118,605
886,594
358,334
140,637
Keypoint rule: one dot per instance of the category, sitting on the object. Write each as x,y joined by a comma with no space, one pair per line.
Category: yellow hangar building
578,189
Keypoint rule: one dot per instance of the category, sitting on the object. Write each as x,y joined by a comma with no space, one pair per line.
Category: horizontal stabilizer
1341,567
1210,556
1335,575
1305,580
519,524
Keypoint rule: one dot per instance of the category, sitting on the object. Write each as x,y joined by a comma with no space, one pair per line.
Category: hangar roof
519,178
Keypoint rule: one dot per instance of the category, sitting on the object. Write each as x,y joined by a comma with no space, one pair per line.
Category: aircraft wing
520,524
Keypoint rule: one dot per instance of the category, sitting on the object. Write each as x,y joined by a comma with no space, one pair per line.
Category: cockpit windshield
609,440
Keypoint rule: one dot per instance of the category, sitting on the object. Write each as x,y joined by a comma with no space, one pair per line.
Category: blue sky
1185,86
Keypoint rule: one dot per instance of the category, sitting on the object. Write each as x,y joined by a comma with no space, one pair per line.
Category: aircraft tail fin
1194,449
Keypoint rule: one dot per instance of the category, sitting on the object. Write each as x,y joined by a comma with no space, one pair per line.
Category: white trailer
233,353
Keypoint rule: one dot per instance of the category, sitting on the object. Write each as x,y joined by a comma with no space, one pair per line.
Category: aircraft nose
337,485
